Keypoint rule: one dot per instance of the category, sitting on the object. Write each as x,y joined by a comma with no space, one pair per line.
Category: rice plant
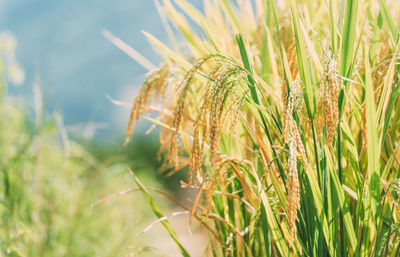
285,116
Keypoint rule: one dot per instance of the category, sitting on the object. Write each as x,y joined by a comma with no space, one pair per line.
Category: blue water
61,41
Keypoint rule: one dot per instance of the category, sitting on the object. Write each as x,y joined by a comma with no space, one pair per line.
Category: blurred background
61,42
62,136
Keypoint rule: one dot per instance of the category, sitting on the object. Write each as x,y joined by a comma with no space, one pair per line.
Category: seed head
331,84
293,188
153,87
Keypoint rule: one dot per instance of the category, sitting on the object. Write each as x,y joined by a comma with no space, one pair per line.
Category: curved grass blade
160,215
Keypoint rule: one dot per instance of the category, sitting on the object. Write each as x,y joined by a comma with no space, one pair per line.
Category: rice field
284,118
278,130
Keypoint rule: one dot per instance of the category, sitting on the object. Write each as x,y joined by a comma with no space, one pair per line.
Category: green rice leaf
388,20
304,66
159,214
348,38
373,148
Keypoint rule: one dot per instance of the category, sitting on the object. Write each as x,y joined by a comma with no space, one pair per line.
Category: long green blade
159,214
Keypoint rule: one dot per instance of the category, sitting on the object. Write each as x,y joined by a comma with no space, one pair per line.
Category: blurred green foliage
49,183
